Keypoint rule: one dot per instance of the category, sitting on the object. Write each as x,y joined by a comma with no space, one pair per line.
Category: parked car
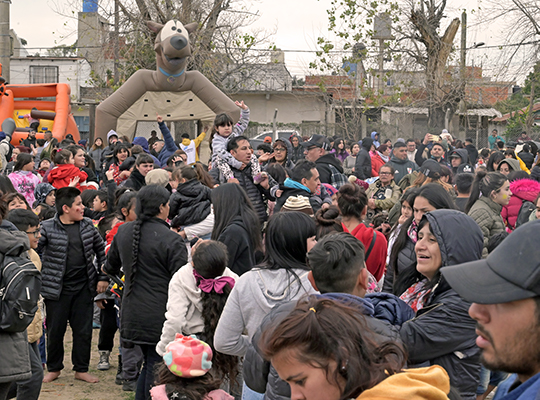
259,139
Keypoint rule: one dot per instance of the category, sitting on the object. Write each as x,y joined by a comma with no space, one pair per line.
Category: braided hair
149,200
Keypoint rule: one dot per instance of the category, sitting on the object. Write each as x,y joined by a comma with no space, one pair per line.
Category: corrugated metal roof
408,110
482,112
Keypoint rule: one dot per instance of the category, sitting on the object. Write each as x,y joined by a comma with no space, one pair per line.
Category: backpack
20,285
527,207
9,154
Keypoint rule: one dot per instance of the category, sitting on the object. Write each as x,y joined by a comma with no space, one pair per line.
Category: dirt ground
67,388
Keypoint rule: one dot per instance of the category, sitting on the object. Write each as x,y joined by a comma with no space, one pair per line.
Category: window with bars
42,74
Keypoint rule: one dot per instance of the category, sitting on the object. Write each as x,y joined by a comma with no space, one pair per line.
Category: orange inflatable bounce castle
19,101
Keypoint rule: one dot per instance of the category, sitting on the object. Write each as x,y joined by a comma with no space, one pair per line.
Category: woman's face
355,149
306,381
502,196
79,160
130,214
406,209
387,152
98,142
504,169
428,253
295,141
122,155
29,166
341,145
280,153
16,203
421,206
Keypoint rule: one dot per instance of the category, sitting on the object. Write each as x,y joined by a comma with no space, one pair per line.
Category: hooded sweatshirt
375,141
443,333
140,141
254,295
513,164
463,154
362,168
429,383
402,167
184,306
522,190
25,182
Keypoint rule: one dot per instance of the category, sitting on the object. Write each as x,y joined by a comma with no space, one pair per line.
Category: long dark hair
321,331
127,200
195,171
149,200
191,389
231,201
286,240
495,157
484,184
210,261
22,160
352,200
6,186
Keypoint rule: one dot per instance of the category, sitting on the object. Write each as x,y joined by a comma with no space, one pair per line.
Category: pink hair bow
217,284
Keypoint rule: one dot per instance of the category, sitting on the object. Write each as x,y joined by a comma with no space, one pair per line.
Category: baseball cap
431,169
511,272
319,141
268,139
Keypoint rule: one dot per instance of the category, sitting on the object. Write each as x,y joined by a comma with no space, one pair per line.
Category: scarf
413,232
417,295
289,183
216,284
384,158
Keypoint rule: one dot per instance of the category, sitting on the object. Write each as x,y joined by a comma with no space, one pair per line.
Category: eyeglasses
279,149
36,233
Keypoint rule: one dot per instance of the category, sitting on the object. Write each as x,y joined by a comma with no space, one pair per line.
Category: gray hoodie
254,295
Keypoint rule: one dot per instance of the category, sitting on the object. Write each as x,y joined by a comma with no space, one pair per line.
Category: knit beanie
157,177
188,357
329,189
298,203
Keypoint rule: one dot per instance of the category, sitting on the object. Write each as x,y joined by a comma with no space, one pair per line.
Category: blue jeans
248,394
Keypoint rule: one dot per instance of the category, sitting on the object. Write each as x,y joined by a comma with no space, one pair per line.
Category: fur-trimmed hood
525,189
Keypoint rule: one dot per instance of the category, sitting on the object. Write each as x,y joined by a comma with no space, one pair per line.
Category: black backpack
527,207
20,285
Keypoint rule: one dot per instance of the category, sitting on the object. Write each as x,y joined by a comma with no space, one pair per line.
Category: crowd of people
309,268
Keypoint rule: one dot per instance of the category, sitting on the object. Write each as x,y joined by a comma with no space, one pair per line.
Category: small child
222,132
180,380
100,206
66,173
191,203
197,294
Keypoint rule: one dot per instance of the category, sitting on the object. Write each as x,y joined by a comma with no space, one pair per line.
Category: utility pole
116,42
463,63
5,39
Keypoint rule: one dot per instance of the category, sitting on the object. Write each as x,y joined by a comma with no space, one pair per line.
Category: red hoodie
62,174
376,261
522,189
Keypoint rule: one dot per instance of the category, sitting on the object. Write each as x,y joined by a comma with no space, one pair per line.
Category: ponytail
484,184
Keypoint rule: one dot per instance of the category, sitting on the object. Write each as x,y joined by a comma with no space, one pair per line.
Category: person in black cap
329,167
504,290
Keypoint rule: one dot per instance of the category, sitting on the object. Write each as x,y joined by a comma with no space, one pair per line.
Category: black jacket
238,242
472,152
527,158
325,174
362,167
406,258
135,181
443,333
464,154
53,247
190,203
162,252
535,173
261,377
402,167
297,153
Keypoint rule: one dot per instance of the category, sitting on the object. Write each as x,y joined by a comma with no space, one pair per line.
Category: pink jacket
25,183
522,189
158,393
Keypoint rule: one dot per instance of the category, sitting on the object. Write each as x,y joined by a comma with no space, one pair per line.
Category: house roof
507,116
481,112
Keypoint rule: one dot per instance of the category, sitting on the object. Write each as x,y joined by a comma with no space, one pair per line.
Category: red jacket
522,189
376,163
376,261
62,174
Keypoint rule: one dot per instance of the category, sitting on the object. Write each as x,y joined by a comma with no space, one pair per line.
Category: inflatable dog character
172,49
